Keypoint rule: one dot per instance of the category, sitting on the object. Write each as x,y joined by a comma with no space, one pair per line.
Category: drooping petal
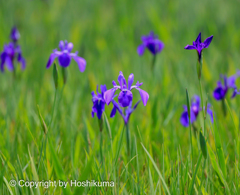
51,59
9,64
235,92
81,62
219,93
189,47
125,98
159,45
3,59
130,81
207,42
210,112
141,49
135,106
115,104
108,95
64,59
113,112
22,61
144,96
184,119
198,39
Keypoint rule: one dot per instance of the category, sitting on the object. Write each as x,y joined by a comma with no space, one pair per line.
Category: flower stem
128,139
190,130
153,61
54,103
224,107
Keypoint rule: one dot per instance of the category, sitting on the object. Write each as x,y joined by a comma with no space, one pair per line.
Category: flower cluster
152,43
125,96
12,52
199,46
194,111
64,56
98,102
124,99
221,90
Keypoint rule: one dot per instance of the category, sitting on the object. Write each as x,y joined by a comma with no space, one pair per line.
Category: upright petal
69,47
144,96
198,39
121,80
231,82
207,42
61,45
130,81
81,62
103,88
141,49
108,95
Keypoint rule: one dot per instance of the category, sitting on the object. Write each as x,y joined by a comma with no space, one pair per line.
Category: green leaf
159,173
216,167
203,144
58,169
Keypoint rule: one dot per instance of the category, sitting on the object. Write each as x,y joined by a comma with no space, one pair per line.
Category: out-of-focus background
107,34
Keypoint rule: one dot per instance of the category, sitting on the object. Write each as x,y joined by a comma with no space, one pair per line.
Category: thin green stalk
190,130
153,61
128,139
54,103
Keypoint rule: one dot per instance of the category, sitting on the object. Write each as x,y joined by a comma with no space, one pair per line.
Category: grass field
50,135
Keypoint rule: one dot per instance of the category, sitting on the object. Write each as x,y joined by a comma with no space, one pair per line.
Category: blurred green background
107,33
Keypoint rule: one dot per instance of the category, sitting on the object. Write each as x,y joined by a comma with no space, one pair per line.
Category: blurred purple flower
64,56
194,111
128,111
98,101
199,46
125,96
152,43
15,35
221,90
9,54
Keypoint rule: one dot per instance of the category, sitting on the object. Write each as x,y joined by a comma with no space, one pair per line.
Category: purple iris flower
125,96
9,54
195,108
199,46
64,56
152,43
228,82
15,35
98,102
128,111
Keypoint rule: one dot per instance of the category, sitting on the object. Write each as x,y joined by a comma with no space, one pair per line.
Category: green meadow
48,134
